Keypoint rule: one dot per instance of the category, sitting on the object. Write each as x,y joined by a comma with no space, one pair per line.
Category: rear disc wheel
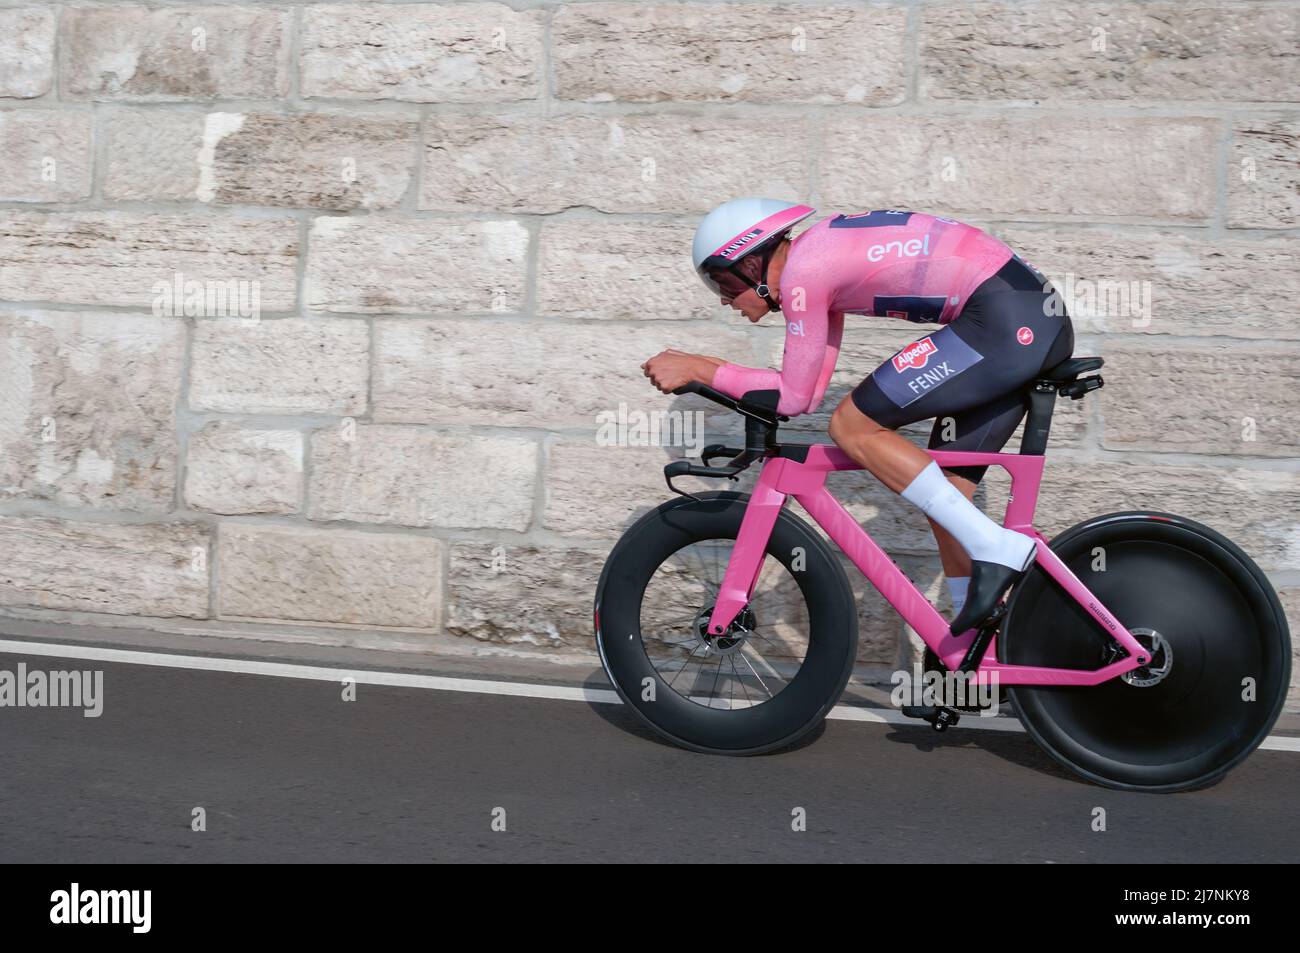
1215,636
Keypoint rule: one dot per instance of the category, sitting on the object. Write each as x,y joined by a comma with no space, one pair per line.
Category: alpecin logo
915,355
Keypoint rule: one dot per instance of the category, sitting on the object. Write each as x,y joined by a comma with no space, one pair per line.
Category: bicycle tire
777,722
1216,613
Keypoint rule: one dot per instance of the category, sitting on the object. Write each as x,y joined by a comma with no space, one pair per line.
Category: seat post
1042,401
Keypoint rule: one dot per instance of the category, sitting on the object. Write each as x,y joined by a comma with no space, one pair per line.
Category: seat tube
747,556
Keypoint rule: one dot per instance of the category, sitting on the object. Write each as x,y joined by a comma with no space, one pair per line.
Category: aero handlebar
760,409
758,404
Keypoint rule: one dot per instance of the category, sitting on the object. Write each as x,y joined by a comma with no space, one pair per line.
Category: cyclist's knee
848,422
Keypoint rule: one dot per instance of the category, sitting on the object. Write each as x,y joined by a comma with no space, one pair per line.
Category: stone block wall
310,311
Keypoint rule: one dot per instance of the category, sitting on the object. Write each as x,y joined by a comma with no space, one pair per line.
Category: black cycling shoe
989,582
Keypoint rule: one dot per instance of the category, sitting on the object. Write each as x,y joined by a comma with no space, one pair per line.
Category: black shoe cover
988,583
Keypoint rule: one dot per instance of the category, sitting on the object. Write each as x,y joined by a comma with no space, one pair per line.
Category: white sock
982,538
957,587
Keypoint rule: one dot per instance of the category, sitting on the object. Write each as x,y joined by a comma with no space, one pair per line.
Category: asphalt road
287,771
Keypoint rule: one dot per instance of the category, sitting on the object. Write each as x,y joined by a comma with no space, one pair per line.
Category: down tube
882,572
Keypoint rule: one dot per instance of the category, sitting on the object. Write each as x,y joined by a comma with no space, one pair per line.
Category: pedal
939,717
944,718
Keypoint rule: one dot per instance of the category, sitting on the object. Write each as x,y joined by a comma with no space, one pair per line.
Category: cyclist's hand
669,370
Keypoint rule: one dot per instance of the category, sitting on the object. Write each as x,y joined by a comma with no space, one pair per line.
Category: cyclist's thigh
982,429
939,374
993,349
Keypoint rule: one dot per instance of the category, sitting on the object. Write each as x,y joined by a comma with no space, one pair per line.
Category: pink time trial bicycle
1143,651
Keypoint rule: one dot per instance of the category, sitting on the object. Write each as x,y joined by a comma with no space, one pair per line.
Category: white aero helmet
732,231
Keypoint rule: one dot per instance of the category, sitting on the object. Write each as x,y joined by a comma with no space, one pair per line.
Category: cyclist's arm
812,345
830,354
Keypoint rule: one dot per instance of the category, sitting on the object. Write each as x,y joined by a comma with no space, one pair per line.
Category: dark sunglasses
734,280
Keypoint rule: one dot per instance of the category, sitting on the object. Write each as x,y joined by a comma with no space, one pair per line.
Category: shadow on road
626,719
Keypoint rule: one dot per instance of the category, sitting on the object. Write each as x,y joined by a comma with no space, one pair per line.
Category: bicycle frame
805,480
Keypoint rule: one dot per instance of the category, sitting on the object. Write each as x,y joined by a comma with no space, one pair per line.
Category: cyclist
999,324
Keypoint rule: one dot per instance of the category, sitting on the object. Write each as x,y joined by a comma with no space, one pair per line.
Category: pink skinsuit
888,263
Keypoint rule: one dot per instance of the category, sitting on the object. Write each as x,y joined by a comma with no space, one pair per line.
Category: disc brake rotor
731,641
1162,659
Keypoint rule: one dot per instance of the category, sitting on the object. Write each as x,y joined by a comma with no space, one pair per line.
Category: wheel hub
731,641
1161,659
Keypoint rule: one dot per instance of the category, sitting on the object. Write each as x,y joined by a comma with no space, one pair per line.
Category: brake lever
675,469
718,450
678,468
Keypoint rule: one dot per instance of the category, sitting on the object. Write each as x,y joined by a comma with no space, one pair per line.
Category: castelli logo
1025,336
915,355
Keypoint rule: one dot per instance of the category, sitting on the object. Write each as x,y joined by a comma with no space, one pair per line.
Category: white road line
361,676
888,716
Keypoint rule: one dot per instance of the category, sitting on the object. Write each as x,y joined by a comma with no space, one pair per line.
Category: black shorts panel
970,375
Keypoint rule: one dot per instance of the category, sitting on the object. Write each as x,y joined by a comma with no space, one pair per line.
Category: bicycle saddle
1070,369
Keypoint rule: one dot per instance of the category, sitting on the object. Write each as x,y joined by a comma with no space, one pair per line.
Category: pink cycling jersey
887,263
